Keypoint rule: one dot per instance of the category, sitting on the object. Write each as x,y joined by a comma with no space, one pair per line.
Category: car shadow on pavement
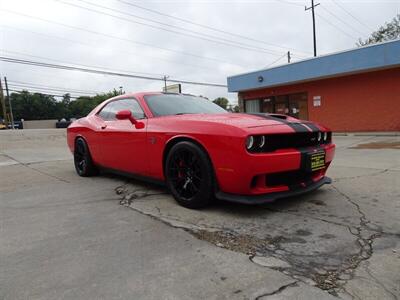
292,204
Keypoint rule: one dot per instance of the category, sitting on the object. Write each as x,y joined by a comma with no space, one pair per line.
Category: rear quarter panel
87,130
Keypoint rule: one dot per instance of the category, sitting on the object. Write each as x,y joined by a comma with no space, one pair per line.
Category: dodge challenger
200,151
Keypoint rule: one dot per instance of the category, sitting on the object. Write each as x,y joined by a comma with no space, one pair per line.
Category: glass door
282,105
298,106
267,105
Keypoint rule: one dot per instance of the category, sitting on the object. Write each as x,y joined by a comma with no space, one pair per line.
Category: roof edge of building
357,60
324,77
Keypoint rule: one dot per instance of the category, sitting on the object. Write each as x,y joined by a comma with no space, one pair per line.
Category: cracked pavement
111,237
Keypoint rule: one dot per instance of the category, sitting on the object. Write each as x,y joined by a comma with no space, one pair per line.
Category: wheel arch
82,137
177,139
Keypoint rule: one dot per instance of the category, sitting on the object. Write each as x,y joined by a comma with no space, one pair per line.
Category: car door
123,146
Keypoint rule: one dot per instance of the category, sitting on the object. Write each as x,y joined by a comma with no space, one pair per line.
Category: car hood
236,119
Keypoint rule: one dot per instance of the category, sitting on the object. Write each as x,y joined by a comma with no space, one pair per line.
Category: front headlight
249,142
261,142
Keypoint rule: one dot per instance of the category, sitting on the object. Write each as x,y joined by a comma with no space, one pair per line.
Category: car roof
141,94
133,95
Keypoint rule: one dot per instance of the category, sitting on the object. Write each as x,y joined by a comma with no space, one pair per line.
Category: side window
105,112
109,111
128,104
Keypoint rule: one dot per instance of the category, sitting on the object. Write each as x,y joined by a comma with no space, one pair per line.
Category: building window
252,106
294,105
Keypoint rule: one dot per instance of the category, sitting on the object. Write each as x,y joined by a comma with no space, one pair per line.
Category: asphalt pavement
109,237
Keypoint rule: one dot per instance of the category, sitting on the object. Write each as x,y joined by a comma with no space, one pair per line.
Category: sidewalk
368,133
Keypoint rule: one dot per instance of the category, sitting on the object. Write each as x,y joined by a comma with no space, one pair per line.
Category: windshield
176,104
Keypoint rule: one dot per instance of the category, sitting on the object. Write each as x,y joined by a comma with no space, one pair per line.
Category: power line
30,84
275,61
115,37
337,27
201,36
206,26
49,88
68,62
49,91
91,46
88,45
52,95
351,15
323,18
232,43
97,71
341,20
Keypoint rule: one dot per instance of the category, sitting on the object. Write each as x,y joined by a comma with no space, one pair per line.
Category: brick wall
360,102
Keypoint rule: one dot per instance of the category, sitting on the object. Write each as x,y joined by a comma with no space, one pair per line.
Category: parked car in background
200,151
63,123
17,125
2,124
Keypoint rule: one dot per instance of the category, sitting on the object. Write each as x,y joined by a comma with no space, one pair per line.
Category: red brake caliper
180,174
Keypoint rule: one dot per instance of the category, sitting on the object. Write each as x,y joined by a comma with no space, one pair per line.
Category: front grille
290,178
289,140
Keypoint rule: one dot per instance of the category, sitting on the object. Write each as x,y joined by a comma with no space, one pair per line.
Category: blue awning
364,59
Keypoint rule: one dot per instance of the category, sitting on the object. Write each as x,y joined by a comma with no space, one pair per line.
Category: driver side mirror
127,115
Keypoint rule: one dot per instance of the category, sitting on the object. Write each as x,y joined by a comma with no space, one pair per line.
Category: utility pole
3,105
165,83
313,22
9,103
288,57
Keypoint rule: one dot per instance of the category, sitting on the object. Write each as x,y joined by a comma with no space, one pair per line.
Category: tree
221,101
387,32
37,106
233,108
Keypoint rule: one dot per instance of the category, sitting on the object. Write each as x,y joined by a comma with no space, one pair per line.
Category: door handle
103,126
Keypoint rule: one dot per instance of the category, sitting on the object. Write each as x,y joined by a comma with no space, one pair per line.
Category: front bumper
267,198
267,173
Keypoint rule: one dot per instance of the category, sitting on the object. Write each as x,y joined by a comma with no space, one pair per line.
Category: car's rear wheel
189,175
82,159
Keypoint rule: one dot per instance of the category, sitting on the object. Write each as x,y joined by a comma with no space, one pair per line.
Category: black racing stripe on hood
312,126
297,127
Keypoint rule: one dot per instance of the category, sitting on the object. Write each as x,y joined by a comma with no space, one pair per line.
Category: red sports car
201,151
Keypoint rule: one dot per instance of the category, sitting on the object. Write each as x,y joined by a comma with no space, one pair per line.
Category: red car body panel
120,146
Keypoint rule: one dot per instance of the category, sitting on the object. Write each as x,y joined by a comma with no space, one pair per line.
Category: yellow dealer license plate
316,161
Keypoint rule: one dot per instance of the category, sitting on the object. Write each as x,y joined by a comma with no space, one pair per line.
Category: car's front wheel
189,175
83,160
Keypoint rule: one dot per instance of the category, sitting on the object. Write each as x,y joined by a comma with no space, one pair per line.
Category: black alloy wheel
189,175
82,159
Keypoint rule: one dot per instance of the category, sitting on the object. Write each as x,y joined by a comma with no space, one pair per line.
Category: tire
83,160
189,175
